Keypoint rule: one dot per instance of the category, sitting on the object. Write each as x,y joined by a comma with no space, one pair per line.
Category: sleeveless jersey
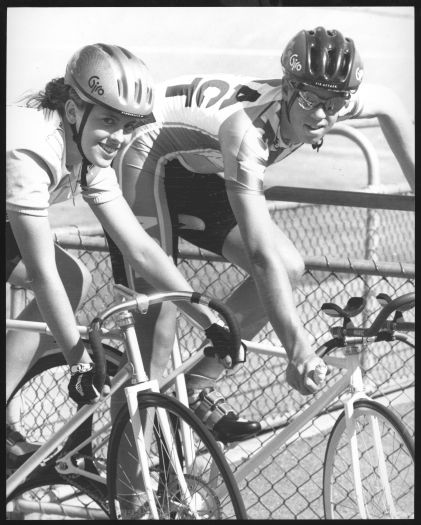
221,124
36,172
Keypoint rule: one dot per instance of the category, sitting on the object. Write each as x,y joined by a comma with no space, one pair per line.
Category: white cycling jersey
36,171
216,123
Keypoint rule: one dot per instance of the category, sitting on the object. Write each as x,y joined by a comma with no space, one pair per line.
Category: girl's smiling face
105,132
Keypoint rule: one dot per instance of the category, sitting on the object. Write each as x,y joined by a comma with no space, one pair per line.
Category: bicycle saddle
354,306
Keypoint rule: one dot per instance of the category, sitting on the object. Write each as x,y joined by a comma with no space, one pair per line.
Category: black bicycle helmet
323,58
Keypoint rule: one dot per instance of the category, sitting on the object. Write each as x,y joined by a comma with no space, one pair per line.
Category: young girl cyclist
61,142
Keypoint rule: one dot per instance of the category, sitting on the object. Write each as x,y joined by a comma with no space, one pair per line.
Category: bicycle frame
133,369
350,379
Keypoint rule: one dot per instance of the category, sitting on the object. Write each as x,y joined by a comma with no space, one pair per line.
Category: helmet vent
138,91
107,49
346,64
314,56
126,53
331,62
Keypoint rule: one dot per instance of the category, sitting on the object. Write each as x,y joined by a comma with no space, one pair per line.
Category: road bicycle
161,461
368,469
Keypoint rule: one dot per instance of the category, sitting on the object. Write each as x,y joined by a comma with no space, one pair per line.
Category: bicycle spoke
189,477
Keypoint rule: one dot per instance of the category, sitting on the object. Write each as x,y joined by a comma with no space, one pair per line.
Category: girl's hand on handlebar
82,387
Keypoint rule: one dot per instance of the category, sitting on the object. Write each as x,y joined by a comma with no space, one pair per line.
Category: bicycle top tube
41,327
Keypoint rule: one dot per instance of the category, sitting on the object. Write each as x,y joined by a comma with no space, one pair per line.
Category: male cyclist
199,172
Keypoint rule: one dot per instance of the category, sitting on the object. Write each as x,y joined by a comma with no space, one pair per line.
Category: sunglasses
309,100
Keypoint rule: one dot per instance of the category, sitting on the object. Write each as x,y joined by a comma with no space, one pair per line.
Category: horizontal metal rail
322,263
357,199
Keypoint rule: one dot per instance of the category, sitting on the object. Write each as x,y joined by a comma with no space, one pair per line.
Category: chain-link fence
288,485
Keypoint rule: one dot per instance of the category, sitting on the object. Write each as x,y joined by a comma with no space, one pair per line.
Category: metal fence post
372,219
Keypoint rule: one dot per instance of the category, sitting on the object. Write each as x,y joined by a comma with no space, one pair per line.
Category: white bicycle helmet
112,77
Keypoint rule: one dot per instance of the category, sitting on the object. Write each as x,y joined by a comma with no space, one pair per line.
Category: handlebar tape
98,355
226,314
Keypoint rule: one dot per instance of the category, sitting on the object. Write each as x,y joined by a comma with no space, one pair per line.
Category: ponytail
54,97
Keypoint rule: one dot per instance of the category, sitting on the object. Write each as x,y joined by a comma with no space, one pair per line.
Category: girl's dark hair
54,96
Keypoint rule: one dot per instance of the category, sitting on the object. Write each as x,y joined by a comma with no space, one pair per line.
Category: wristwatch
80,368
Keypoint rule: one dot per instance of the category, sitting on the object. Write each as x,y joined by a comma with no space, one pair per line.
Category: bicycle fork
357,388
143,383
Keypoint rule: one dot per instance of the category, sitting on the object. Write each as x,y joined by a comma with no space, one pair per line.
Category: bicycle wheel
42,405
210,483
48,497
41,399
387,486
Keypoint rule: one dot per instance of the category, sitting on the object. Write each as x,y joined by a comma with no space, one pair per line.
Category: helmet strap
290,102
77,135
288,106
84,172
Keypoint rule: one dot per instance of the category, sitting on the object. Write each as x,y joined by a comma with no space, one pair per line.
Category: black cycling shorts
199,195
203,196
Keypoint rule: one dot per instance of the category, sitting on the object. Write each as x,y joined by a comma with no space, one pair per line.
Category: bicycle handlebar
141,303
380,323
404,302
98,357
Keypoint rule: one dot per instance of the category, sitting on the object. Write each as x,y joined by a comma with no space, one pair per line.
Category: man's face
313,113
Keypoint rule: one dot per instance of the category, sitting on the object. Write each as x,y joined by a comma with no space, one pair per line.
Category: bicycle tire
46,496
127,501
339,497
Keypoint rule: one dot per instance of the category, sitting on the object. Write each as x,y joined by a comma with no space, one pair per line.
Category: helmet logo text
359,72
295,63
95,86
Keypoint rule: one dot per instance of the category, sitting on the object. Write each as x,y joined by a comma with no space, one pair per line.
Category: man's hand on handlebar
222,348
307,376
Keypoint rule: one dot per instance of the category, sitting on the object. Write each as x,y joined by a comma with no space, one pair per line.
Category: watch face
80,368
